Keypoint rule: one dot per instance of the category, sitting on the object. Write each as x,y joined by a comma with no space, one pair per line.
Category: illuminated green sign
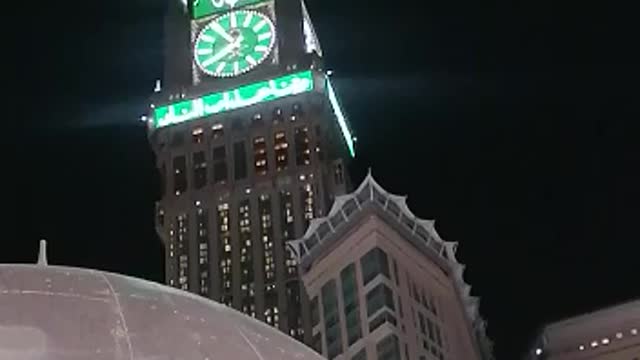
243,96
203,8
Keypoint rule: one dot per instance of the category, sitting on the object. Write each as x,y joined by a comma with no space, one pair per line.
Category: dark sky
514,124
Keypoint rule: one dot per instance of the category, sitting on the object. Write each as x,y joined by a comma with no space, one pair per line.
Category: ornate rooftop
324,232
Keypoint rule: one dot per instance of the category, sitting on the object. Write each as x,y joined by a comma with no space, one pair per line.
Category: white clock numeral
251,60
233,20
264,36
236,67
261,48
207,38
259,25
247,20
209,61
222,32
204,51
220,67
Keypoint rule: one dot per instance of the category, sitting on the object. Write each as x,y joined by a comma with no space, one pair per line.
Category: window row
220,161
218,130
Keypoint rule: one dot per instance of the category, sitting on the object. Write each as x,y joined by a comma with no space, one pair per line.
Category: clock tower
251,145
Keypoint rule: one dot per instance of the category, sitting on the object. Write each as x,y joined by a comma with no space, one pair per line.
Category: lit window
202,225
225,251
264,208
581,347
183,252
605,341
246,254
197,135
180,174
319,142
634,331
594,344
260,155
217,131
302,149
277,115
308,202
619,335
286,211
281,150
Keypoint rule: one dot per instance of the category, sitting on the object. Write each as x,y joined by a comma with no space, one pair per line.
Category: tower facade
251,145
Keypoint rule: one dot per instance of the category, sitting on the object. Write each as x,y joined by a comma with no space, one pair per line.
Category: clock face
234,43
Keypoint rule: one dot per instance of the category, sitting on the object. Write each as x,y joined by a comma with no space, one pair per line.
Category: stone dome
61,313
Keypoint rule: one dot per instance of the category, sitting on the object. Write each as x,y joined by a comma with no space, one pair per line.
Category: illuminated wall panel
243,96
203,8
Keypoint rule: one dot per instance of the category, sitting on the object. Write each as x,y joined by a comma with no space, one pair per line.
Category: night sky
513,124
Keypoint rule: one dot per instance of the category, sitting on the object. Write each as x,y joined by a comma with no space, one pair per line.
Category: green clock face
234,43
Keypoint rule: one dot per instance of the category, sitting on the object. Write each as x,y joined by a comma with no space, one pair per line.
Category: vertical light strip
341,118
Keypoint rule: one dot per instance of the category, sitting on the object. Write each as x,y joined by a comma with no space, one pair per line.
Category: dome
61,313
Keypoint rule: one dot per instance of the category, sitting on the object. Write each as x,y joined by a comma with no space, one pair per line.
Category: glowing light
202,8
581,347
342,122
538,351
232,99
229,58
605,341
310,39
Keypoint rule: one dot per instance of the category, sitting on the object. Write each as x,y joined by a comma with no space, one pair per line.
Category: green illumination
342,121
203,8
243,96
234,43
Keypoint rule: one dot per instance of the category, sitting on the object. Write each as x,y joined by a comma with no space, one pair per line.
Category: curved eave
309,249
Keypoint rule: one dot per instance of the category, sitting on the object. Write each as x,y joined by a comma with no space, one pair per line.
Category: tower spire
42,255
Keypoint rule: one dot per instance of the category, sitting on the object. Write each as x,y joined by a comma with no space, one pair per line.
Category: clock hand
221,31
224,52
238,41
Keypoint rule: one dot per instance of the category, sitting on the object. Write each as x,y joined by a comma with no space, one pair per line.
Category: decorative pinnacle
42,255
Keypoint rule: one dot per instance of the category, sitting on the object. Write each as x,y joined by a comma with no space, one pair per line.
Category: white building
384,285
612,333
